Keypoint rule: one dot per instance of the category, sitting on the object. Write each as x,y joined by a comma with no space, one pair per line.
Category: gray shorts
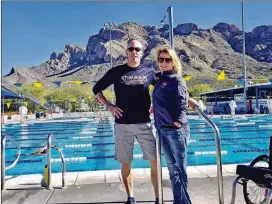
124,141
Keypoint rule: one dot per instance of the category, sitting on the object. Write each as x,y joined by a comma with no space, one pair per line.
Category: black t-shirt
131,90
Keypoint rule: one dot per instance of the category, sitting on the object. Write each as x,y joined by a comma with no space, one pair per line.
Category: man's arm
101,85
116,112
104,82
102,99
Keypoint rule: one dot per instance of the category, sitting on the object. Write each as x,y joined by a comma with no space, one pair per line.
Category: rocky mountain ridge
203,53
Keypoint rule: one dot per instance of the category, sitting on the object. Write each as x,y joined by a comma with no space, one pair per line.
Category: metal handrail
49,139
159,170
3,168
63,165
49,160
3,171
218,155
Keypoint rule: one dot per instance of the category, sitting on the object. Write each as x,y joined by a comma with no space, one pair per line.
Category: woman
170,103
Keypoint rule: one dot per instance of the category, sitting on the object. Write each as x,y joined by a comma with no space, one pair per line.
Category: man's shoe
157,201
131,200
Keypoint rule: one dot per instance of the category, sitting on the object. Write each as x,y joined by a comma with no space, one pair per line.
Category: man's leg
22,118
124,142
154,176
147,142
127,178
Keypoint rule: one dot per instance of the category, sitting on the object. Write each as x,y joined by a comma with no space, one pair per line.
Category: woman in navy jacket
170,103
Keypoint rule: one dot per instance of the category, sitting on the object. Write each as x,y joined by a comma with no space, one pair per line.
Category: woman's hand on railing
193,103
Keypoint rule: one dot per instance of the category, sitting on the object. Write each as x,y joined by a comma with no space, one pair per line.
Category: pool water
90,145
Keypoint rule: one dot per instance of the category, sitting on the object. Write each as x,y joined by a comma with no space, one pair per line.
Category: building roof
263,85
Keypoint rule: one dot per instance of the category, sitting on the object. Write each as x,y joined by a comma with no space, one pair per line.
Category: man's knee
153,163
126,165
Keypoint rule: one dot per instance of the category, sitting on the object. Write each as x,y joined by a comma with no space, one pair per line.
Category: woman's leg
174,144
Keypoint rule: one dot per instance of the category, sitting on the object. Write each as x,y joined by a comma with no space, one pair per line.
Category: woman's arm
193,103
181,100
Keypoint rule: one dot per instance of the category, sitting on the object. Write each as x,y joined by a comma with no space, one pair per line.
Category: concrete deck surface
107,187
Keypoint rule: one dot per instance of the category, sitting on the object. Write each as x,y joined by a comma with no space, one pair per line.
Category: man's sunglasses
167,60
137,49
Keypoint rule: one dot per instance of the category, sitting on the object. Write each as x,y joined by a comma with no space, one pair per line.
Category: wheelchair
256,179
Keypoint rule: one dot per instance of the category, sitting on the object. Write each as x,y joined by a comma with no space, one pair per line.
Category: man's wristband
107,105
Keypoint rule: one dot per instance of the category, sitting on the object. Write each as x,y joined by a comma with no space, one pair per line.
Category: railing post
63,166
49,160
270,153
159,168
218,156
3,170
63,170
3,159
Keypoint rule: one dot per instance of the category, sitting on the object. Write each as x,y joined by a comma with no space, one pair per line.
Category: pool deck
107,187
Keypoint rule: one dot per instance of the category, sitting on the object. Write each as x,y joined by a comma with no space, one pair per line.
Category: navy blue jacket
170,100
131,91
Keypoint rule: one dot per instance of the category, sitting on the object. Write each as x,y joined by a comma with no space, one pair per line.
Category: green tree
38,92
35,91
199,88
69,96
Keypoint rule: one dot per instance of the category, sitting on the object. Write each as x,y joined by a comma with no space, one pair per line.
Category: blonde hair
174,57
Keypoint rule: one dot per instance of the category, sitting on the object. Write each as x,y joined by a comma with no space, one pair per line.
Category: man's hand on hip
115,111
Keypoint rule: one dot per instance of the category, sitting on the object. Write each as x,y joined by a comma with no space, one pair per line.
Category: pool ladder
3,168
49,146
218,160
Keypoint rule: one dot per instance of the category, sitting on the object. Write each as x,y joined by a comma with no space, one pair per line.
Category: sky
31,31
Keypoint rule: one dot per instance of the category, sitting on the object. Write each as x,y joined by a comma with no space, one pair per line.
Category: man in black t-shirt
131,112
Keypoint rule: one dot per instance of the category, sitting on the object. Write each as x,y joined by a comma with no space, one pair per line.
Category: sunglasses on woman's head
167,60
137,49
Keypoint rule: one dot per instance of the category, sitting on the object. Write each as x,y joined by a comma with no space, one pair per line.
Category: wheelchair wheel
253,193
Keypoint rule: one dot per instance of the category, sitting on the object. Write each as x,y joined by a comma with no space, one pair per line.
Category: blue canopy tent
9,95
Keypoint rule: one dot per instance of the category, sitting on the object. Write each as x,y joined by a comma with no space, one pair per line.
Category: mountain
203,52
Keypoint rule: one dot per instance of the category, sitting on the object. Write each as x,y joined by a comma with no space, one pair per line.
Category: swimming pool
90,145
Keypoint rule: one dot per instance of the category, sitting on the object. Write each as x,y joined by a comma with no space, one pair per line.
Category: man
233,106
269,106
23,111
131,113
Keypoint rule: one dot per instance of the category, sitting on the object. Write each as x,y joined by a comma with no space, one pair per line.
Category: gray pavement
201,190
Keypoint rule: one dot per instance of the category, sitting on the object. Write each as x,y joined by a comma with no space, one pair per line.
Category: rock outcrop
203,52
